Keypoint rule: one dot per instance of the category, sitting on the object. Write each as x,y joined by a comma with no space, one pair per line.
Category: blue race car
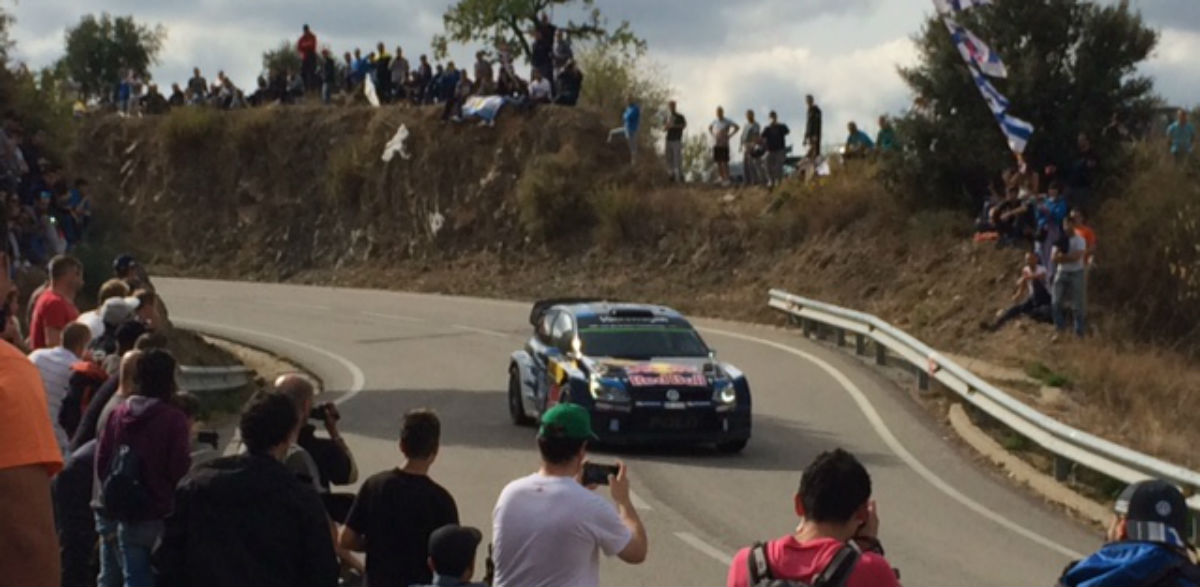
642,371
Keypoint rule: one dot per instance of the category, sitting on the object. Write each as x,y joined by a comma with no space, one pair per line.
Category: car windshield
641,342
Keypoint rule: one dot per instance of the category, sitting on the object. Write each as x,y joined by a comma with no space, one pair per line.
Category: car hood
673,371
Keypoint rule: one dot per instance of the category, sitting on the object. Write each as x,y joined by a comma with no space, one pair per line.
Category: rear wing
541,306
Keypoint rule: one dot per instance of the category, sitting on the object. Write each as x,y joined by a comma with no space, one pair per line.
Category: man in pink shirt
835,509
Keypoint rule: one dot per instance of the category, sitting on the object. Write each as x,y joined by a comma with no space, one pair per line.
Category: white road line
704,547
303,306
483,331
885,433
394,317
358,379
638,503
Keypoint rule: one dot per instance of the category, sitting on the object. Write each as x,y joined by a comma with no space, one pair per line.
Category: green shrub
185,128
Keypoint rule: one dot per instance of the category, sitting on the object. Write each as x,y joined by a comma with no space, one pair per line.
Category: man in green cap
548,528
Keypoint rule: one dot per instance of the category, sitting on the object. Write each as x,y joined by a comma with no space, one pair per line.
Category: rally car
643,372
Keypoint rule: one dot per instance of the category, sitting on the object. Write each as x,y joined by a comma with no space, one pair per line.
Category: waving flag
975,51
995,100
948,6
1017,131
485,107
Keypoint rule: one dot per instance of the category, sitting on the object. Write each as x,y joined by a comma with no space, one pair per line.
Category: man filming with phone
549,528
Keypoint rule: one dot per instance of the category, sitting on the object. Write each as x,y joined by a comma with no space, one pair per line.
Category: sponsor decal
656,374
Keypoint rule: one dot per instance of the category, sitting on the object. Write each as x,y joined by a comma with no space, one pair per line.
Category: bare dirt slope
541,206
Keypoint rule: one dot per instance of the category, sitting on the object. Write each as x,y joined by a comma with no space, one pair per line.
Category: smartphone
596,474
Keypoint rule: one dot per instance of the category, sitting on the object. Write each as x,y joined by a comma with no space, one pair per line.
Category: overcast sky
759,54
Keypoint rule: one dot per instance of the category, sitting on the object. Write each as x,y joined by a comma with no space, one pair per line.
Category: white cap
117,311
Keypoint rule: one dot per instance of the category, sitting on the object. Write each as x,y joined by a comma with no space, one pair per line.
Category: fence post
860,344
922,379
808,327
880,354
1062,468
841,336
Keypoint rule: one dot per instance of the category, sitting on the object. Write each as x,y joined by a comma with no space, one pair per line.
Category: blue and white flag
1017,131
974,50
995,100
484,107
949,6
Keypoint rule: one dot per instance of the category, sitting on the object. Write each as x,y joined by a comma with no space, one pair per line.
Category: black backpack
834,575
123,492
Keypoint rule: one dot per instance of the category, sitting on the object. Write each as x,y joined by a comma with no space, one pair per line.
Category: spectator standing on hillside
1181,136
812,128
307,47
452,556
54,365
146,433
885,139
1050,213
400,71
55,308
566,524
676,124
542,53
421,80
329,76
775,139
177,98
484,77
1079,219
570,85
383,73
245,520
563,52
396,511
633,119
1032,295
752,152
835,508
858,143
1080,176
1070,280
1147,543
197,87
29,457
721,130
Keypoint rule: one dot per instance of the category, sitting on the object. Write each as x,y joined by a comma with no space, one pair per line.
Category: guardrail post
808,327
880,354
1062,468
860,344
841,336
922,379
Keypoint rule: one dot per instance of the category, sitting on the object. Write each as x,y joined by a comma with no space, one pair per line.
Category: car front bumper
656,426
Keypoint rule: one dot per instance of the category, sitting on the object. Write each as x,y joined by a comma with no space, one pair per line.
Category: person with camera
836,511
550,527
325,461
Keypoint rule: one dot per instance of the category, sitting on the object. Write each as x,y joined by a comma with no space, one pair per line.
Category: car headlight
725,392
607,390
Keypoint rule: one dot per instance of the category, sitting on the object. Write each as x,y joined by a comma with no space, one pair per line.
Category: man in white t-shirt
722,129
54,364
540,89
549,529
113,288
1070,282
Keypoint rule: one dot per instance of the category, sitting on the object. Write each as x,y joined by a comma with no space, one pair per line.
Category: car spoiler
541,306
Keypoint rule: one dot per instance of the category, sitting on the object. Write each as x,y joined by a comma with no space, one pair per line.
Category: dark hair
150,340
156,374
833,487
187,403
267,421
128,335
420,434
559,450
60,265
76,335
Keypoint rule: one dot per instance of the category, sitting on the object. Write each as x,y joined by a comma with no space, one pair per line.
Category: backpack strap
758,565
839,568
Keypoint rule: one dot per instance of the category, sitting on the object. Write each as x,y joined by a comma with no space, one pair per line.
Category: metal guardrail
1069,446
209,379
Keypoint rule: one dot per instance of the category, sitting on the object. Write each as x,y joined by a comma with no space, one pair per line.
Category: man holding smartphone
549,528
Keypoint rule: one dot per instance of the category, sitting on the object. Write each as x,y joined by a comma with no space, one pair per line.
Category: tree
489,21
283,58
1071,66
101,50
611,75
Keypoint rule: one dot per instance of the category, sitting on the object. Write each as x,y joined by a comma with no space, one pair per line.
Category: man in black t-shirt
676,123
775,136
397,510
812,129
542,56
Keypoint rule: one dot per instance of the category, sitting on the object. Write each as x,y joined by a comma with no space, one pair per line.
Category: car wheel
516,411
733,446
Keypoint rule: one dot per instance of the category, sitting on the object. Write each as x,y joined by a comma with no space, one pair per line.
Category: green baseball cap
567,421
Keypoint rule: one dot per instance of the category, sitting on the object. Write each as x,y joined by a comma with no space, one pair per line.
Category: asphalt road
945,521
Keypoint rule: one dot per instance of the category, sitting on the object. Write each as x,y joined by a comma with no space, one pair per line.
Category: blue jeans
137,540
1070,286
110,553
326,93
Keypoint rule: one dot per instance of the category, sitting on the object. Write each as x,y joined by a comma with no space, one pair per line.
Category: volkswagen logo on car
672,395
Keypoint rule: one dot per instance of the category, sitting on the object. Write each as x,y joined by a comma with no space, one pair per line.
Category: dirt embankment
541,206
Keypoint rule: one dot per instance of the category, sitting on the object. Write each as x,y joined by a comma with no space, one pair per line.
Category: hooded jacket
1125,564
159,435
246,520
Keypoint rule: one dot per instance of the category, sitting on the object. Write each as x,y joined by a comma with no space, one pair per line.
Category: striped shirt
55,366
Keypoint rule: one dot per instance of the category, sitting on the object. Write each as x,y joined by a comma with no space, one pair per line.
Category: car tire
732,446
516,411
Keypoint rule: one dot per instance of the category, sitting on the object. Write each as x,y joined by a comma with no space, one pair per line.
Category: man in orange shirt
29,456
1085,231
55,308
